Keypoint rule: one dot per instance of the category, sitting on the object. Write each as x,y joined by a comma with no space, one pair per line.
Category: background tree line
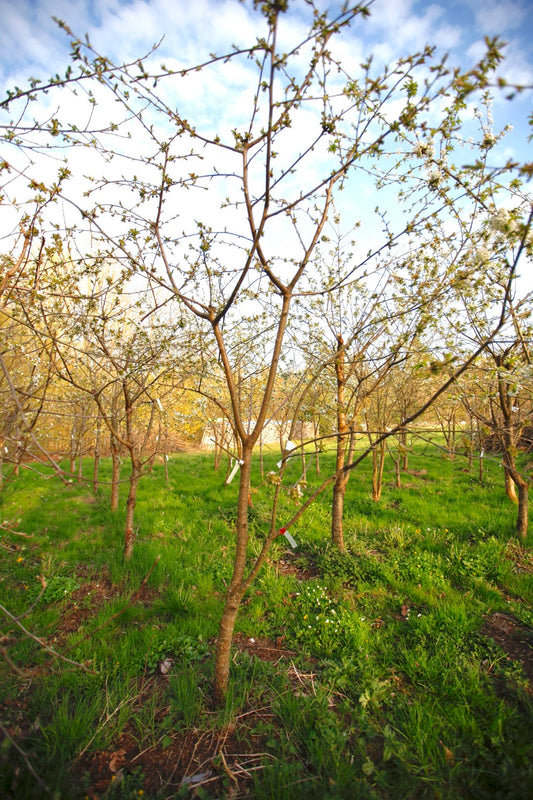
131,315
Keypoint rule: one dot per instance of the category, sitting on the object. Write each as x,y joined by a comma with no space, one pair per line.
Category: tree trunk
378,462
317,449
511,438
80,463
236,588
518,482
129,532
403,448
339,488
510,486
217,455
398,471
522,520
470,444
397,461
223,648
96,463
72,456
337,513
115,474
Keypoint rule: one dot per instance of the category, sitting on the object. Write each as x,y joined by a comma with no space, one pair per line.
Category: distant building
219,432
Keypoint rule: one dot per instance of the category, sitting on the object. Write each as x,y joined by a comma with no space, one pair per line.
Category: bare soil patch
292,563
264,648
92,596
221,761
514,638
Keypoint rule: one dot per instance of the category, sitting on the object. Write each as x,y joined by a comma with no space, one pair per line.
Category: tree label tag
236,466
289,447
289,538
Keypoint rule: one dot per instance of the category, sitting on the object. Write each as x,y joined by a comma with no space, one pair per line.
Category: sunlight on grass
394,687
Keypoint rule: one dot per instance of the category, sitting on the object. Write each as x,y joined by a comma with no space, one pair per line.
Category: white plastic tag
290,540
233,471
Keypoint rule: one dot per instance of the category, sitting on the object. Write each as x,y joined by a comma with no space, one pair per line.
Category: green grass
393,689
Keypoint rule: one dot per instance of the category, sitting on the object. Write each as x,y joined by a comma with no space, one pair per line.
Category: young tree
25,366
111,359
128,362
350,337
507,412
312,124
504,238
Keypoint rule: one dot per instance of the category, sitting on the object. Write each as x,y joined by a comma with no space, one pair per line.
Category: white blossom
424,150
502,222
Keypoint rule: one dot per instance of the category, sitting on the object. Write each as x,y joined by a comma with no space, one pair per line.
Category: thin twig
16,669
16,533
226,768
27,761
253,711
101,726
42,643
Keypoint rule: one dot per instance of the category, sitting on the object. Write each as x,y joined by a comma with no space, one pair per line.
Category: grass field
399,669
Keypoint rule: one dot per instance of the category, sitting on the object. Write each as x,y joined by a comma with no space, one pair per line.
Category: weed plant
388,683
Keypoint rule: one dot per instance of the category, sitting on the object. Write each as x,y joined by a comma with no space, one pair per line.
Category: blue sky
124,28
32,45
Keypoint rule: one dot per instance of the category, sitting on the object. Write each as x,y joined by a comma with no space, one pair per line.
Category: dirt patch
295,564
264,648
417,473
514,638
217,763
90,597
521,557
83,604
222,762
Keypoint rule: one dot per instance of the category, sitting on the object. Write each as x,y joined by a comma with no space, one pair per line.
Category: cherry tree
504,239
222,217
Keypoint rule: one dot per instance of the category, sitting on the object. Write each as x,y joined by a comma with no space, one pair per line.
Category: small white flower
489,139
502,222
424,150
435,178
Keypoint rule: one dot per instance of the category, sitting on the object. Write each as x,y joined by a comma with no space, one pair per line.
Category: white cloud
495,18
218,99
406,25
190,30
